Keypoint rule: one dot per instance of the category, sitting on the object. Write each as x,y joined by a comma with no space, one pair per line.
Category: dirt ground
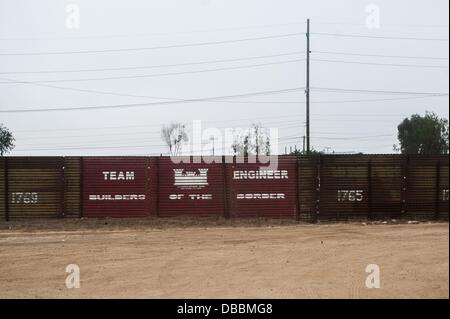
222,259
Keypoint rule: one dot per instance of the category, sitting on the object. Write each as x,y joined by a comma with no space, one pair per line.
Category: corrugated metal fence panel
443,190
72,187
152,185
386,191
2,188
344,187
116,187
35,186
191,189
256,190
308,187
421,186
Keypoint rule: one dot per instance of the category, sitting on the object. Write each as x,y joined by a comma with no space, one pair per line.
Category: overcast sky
146,52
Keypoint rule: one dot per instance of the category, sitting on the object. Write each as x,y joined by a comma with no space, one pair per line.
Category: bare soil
185,258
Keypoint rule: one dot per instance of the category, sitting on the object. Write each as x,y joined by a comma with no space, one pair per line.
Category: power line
378,100
154,139
119,146
152,34
100,36
112,146
159,125
154,47
95,147
359,115
142,137
206,123
384,64
376,91
379,37
106,142
133,95
343,138
154,66
425,95
382,55
98,145
365,121
160,74
119,106
426,26
221,101
354,138
142,134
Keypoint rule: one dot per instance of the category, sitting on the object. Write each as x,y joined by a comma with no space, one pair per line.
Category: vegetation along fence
307,188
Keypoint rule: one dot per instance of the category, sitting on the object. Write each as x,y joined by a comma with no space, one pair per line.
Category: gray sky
341,120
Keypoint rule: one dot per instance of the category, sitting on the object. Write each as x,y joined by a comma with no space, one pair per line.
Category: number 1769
24,198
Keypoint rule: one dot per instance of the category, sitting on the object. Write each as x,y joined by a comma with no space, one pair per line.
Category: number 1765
350,195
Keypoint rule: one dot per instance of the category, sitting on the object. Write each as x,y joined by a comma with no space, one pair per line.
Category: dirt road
244,261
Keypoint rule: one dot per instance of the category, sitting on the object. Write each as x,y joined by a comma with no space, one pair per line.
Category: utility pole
308,51
304,143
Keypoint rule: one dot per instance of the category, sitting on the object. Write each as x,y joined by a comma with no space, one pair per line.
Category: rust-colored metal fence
116,186
306,188
33,187
270,193
190,189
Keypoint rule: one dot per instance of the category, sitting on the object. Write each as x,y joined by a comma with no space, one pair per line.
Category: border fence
306,188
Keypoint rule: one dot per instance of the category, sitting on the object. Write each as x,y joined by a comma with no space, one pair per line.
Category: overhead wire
381,55
154,66
162,74
383,64
133,105
378,37
184,45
